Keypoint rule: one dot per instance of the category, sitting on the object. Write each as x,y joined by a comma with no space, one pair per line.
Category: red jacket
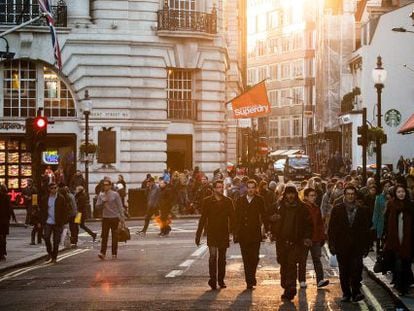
318,231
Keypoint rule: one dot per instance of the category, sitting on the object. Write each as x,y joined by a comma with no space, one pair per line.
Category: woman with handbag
399,237
82,204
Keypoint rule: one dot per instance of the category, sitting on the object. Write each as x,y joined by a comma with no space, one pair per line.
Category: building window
273,128
285,99
297,69
273,20
297,95
273,46
183,5
296,126
251,76
262,73
285,71
285,44
21,90
273,72
58,100
273,98
297,41
284,127
179,91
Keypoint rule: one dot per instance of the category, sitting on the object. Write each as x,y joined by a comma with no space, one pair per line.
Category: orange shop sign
251,104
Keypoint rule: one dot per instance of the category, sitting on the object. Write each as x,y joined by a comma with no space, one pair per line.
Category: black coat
249,219
347,240
81,202
6,212
218,218
303,224
62,210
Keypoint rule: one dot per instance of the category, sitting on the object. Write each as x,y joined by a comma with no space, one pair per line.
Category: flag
253,103
45,8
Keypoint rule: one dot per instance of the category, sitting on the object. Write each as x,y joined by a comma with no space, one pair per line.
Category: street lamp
87,107
379,75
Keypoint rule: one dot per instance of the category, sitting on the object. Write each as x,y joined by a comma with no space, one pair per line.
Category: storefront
16,162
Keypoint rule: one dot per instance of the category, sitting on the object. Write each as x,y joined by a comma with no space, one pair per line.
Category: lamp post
379,74
87,107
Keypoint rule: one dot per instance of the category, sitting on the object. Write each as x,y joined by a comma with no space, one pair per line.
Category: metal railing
180,20
182,109
16,14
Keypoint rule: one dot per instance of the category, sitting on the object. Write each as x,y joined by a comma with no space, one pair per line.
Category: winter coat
218,217
62,210
6,212
318,232
378,215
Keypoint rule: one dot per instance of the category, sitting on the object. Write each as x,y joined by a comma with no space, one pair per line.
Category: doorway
179,152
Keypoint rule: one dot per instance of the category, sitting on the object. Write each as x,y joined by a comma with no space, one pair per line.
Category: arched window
26,84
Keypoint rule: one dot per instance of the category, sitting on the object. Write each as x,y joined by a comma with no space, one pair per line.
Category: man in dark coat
349,238
218,212
292,230
55,214
250,214
6,212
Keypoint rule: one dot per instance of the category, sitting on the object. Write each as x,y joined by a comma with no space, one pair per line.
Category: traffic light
363,135
40,127
36,132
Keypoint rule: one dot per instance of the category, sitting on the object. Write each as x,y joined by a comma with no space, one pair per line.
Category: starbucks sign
392,118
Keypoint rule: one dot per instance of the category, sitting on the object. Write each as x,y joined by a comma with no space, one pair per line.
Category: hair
218,181
151,179
307,191
350,187
394,192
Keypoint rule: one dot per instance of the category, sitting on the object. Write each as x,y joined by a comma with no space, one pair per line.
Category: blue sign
50,157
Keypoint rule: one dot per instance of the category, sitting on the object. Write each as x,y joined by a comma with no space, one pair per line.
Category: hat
291,189
272,185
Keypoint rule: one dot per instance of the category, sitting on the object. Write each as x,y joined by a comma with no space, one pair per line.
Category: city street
153,273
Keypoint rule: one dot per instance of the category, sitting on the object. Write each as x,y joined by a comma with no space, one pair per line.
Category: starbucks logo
392,118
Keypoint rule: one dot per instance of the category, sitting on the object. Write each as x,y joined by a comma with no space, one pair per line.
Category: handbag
333,262
124,234
78,218
384,262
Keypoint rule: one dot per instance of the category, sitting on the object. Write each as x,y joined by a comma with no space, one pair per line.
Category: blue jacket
378,215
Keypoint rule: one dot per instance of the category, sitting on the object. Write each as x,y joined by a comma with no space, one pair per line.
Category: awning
408,126
284,152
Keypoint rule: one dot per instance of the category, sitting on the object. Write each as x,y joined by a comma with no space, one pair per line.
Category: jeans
217,264
148,214
37,229
56,231
250,255
110,223
316,253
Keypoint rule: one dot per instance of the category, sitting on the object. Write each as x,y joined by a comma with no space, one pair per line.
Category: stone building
158,74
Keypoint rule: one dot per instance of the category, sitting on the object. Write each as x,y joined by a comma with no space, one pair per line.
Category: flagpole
22,25
246,90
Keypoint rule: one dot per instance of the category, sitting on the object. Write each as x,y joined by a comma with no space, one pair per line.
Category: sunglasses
52,187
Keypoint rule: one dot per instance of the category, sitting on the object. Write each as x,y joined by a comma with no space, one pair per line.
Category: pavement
21,253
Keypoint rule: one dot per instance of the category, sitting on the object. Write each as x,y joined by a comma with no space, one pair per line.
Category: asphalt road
154,273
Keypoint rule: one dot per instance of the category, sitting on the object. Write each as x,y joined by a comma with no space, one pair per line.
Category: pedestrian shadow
243,300
205,300
287,305
303,300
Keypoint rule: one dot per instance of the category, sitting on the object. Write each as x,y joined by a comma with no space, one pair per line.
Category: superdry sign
251,104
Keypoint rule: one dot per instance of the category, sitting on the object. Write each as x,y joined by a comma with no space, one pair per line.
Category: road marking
240,256
187,263
174,273
200,251
40,265
374,302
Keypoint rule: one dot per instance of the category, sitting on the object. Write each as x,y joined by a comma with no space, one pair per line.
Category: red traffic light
40,123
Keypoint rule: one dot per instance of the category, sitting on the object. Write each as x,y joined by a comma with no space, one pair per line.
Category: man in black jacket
250,213
218,213
55,214
348,235
292,230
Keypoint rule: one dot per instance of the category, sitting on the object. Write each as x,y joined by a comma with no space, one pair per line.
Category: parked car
279,166
373,168
297,167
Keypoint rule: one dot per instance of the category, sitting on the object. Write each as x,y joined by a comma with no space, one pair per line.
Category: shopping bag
65,238
333,262
124,234
78,218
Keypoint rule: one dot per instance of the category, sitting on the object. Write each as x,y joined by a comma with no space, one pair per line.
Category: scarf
392,241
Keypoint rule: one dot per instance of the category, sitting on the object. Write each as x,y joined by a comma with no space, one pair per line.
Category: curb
18,224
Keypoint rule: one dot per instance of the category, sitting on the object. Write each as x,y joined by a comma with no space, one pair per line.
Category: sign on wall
392,118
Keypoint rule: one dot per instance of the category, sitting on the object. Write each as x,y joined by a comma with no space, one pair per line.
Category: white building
377,38
156,72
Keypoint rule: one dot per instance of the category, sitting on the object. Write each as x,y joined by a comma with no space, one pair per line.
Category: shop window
21,91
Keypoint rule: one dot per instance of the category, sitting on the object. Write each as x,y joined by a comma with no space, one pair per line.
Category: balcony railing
16,14
180,20
183,110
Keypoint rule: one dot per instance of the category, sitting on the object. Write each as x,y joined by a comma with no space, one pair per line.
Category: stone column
78,12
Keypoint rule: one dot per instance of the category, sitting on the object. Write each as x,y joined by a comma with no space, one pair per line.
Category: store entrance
179,152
